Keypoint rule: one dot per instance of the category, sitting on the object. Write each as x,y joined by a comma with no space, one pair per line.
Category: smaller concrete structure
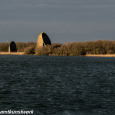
12,47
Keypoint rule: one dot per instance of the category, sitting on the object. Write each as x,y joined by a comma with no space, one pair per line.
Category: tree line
19,45
68,49
78,48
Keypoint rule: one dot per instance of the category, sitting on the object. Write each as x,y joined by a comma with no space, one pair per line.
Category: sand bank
11,53
93,55
101,55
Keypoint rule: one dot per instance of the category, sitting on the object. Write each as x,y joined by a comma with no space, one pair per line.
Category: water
58,85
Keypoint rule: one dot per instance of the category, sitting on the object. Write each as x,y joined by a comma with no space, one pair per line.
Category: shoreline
88,55
100,55
91,55
12,53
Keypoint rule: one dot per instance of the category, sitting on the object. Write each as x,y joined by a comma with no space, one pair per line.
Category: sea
57,85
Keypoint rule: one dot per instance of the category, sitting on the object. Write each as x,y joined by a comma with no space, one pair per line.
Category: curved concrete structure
43,40
12,47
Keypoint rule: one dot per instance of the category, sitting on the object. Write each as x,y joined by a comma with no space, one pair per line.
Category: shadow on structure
12,47
46,39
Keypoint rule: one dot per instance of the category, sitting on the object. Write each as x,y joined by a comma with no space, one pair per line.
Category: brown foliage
29,50
68,49
4,47
80,48
21,45
46,50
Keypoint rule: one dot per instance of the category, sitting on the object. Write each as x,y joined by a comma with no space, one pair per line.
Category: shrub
69,49
47,49
42,51
4,47
21,46
29,50
110,52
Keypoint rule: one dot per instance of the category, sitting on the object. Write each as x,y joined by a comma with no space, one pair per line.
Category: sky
62,20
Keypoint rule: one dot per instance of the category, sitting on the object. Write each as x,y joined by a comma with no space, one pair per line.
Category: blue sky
62,20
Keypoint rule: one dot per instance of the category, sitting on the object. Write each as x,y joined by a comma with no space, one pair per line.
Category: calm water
52,85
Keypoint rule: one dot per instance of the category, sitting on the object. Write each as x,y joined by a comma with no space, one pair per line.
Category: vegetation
100,47
74,49
68,49
4,47
19,45
29,50
48,49
78,48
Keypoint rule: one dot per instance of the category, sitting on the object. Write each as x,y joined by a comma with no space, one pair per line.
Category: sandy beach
91,55
11,53
101,55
